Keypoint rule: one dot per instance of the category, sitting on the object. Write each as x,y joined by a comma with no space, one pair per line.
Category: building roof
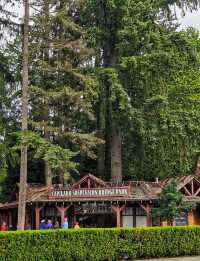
131,191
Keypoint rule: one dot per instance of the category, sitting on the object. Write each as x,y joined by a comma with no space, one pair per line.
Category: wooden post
1,217
117,209
89,183
6,216
147,209
10,217
191,219
37,217
27,221
149,220
62,211
74,215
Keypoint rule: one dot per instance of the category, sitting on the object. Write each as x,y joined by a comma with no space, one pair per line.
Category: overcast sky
190,19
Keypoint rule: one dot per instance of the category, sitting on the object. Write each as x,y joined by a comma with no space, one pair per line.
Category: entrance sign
91,192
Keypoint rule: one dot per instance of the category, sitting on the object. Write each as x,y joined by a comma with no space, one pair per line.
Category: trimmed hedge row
99,244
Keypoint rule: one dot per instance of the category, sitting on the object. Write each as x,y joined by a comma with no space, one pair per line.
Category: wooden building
95,203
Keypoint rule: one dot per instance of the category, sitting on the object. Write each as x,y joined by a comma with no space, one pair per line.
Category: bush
99,244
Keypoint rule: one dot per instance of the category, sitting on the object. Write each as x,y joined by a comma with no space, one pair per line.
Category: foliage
118,98
60,160
60,91
161,83
99,244
97,65
171,203
7,122
152,61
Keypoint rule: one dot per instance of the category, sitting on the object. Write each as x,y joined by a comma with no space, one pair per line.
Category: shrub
99,244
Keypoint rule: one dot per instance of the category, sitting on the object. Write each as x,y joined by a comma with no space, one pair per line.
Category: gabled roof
181,181
139,190
91,178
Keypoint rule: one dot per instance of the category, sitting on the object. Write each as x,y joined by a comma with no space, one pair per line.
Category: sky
190,19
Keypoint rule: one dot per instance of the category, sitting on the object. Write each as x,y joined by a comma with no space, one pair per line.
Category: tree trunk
23,166
113,144
100,124
116,156
100,134
108,125
113,140
47,169
48,174
101,155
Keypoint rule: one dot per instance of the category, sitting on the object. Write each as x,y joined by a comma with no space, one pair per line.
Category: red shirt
4,228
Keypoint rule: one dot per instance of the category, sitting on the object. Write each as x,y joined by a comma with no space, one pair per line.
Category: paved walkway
195,258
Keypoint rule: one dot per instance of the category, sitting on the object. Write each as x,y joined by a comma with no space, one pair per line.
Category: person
65,224
4,227
57,225
49,224
76,225
42,224
10,228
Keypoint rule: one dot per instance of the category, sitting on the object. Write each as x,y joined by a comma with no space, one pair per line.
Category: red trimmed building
95,203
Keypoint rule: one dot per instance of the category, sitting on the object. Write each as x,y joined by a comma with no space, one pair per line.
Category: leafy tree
138,41
171,204
164,114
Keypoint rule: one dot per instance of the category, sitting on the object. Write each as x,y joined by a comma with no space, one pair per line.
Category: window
128,211
140,211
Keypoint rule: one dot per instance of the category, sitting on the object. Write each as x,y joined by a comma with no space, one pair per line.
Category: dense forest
113,90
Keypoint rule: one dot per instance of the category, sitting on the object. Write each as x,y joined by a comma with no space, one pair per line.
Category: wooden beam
89,183
62,211
197,192
191,219
117,209
192,187
147,209
37,217
187,191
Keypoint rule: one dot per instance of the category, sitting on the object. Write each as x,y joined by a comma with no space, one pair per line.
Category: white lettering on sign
97,192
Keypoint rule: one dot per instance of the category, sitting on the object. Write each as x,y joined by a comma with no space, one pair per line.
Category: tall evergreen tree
23,165
61,90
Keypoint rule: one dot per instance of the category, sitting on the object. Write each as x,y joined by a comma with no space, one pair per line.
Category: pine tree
61,90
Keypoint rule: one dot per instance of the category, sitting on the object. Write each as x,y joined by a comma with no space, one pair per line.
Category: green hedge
99,244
